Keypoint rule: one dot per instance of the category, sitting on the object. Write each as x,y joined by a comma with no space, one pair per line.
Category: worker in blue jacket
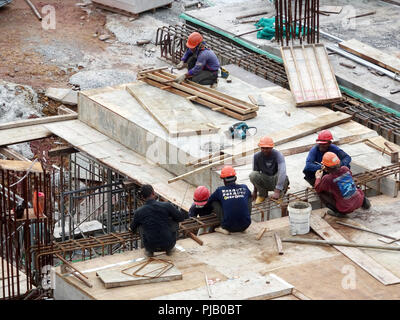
202,63
314,158
231,203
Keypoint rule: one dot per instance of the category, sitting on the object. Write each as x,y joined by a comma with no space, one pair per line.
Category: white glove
181,78
180,65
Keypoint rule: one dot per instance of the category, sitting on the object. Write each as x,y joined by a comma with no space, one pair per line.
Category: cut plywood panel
331,9
177,115
246,288
24,134
324,230
115,278
371,54
311,77
18,165
132,6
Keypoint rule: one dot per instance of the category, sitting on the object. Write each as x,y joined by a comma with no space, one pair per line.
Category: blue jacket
316,155
206,60
234,199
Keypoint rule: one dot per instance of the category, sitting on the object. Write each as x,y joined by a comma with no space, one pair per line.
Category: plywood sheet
25,134
18,165
324,230
133,6
331,9
371,54
177,115
311,77
248,288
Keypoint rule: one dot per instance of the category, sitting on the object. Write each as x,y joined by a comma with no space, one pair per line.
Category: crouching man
337,189
157,223
231,203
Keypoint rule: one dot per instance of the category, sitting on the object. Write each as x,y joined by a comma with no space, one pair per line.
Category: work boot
366,203
214,85
259,200
170,252
222,230
335,214
148,253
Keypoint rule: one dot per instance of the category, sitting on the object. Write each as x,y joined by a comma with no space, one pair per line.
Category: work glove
318,174
181,78
180,65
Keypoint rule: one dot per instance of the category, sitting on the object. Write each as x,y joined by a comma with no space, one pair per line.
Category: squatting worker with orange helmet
201,206
269,172
202,63
337,189
324,144
232,203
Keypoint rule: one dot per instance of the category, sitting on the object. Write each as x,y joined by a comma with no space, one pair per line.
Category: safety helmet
266,142
194,40
227,172
324,137
330,159
201,195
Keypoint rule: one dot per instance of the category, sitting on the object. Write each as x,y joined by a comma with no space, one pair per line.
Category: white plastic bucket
299,217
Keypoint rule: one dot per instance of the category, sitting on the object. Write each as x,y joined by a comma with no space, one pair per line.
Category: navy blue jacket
204,211
316,155
234,199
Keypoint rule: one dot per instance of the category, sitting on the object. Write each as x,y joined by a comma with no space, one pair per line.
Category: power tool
240,130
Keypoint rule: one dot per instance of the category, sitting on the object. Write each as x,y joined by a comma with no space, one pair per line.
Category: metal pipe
35,11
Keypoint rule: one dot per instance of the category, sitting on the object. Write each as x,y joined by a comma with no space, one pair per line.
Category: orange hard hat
330,159
266,142
194,40
324,137
201,195
227,172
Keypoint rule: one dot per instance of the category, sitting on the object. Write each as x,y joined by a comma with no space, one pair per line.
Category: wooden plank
62,151
311,77
63,110
371,54
278,242
325,231
260,234
115,278
299,295
31,122
12,154
301,130
177,115
23,134
18,165
331,9
133,6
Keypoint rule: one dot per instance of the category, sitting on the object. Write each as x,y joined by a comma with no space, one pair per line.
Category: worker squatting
327,169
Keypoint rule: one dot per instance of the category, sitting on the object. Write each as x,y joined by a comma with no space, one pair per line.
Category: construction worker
232,203
337,189
202,63
200,206
269,172
324,144
157,223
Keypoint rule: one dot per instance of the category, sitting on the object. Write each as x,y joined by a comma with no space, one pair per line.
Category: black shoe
336,214
366,203
148,253
170,252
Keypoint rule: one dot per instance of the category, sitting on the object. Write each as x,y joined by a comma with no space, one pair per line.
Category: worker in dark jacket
324,144
157,223
232,203
337,189
202,63
201,206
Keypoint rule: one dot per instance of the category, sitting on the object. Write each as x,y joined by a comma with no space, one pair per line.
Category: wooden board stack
203,95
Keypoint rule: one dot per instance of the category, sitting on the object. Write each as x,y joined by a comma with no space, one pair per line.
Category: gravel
101,78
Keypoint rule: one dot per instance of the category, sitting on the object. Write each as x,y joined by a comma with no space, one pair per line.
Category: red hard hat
201,195
324,137
266,142
227,172
330,159
194,40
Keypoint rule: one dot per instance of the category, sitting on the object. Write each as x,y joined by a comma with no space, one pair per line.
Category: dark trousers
328,200
173,226
217,209
204,77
